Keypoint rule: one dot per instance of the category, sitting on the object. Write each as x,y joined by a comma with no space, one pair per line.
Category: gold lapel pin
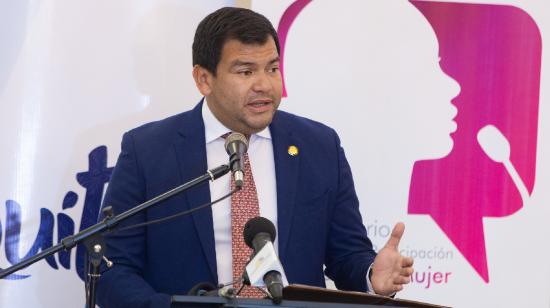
292,150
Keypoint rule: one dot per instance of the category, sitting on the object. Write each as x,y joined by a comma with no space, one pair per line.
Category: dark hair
244,25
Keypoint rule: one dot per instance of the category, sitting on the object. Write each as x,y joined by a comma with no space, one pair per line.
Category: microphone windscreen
235,137
258,225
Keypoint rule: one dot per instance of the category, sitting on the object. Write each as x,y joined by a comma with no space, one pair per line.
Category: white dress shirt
260,153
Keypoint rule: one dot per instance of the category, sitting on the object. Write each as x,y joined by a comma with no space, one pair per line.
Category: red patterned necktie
244,206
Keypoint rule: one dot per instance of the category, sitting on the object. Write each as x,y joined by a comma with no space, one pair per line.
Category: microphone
264,269
236,145
257,232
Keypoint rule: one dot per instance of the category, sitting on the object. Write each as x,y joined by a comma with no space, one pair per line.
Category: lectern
302,296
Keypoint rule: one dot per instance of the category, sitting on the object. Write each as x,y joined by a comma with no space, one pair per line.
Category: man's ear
203,79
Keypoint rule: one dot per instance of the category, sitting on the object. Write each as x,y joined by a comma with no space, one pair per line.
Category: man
297,176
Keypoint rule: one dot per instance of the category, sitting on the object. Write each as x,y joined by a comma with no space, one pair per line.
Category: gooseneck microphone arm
93,236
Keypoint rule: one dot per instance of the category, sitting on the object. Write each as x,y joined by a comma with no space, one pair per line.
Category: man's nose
262,83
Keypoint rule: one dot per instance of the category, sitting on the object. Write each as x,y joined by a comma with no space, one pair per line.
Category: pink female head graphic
495,56
386,85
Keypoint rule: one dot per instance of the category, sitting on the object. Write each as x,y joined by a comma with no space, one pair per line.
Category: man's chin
256,127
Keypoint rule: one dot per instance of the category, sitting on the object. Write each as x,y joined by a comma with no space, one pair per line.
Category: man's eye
274,70
245,73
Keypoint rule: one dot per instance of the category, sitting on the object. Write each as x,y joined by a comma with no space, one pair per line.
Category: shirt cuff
370,289
369,284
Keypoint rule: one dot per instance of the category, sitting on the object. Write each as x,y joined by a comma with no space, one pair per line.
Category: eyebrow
277,59
242,63
245,63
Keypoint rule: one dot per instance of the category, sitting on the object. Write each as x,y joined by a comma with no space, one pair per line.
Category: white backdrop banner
74,76
442,108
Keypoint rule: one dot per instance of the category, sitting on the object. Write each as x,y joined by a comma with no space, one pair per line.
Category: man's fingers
397,287
401,280
407,271
407,262
396,235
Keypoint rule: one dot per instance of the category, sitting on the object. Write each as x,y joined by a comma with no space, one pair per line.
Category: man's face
246,91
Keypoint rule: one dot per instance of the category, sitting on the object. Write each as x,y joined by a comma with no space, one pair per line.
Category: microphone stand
93,236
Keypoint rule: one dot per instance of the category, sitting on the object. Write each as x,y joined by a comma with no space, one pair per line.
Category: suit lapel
286,172
191,154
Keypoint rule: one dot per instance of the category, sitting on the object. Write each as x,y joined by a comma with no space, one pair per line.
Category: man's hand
390,270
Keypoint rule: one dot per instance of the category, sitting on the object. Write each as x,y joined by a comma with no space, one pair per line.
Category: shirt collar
214,129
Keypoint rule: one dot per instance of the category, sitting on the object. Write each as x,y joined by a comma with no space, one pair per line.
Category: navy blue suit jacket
318,214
